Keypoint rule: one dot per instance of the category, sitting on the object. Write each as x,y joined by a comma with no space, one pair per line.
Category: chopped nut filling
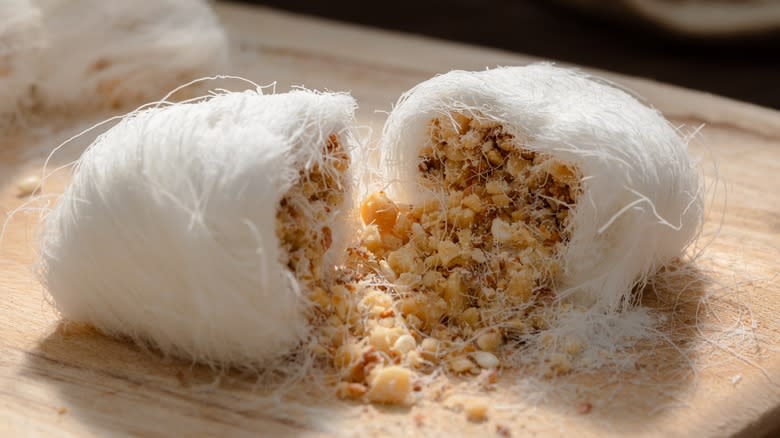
305,213
488,239
444,284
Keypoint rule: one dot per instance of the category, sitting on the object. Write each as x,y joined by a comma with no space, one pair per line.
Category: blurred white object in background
20,44
95,54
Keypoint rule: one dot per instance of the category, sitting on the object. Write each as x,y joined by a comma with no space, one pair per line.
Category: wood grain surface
717,375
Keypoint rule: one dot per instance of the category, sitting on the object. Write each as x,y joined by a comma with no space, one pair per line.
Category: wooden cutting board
56,382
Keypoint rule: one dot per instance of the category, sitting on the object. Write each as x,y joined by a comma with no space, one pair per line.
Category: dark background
744,68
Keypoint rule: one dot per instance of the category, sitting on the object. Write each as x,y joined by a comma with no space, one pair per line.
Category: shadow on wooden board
114,386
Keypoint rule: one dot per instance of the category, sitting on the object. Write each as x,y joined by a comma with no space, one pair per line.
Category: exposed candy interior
308,211
490,237
449,282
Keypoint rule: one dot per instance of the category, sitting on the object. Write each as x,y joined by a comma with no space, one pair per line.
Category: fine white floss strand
641,202
166,233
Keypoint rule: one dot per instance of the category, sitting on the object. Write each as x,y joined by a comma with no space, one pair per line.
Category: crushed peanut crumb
390,385
447,283
584,408
350,390
28,185
476,410
503,431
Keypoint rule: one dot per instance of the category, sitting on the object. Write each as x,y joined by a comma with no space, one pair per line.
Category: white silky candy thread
641,204
167,231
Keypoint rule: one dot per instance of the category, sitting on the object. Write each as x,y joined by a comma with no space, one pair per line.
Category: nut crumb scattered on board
476,409
390,385
584,408
347,390
503,431
28,185
62,410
